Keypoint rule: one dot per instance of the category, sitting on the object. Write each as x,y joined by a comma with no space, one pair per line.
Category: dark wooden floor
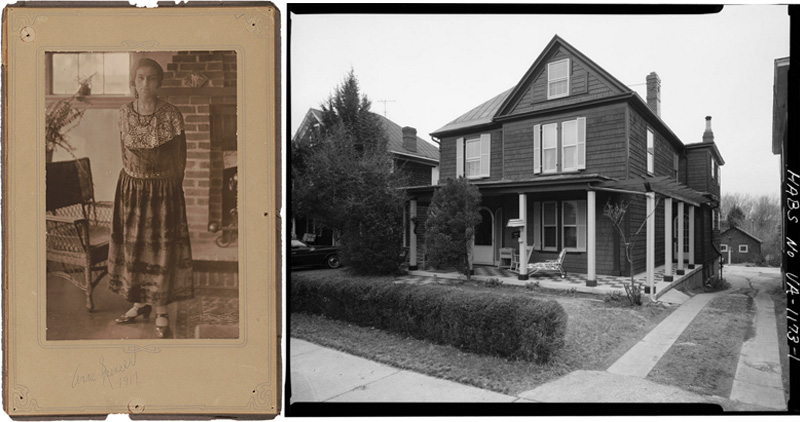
215,305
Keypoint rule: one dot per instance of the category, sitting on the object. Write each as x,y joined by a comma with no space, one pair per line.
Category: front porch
552,280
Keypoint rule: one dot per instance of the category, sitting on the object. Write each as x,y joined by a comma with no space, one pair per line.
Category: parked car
312,256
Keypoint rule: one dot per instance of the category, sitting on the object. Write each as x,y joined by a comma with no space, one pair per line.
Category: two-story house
548,154
414,156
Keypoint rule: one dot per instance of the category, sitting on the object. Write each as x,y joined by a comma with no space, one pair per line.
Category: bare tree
616,213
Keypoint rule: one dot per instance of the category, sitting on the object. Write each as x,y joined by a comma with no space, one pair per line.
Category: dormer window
558,79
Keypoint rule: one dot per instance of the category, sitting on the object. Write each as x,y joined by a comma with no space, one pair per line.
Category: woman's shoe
162,325
126,318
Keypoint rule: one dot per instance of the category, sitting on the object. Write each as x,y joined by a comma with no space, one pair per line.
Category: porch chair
551,265
515,262
78,227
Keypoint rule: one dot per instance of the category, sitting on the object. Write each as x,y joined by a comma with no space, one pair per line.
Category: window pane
570,214
557,70
550,159
549,136
570,132
65,73
570,237
116,67
549,213
558,88
550,237
473,149
473,167
91,65
569,157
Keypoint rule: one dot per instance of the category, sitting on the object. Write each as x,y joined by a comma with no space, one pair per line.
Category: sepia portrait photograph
141,176
141,180
534,205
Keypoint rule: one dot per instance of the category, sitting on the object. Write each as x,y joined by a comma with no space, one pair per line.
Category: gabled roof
743,231
535,68
394,133
312,117
479,115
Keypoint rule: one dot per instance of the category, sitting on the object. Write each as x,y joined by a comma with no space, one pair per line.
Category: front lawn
705,356
598,333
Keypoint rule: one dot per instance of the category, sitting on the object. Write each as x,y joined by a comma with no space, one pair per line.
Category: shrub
614,296
492,282
532,285
512,327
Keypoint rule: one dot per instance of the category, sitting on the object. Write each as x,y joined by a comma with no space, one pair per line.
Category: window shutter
486,148
581,225
537,226
581,143
459,157
537,149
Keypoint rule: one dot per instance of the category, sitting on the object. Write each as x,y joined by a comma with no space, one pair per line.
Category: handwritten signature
112,375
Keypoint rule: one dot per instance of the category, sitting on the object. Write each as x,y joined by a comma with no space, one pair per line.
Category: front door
483,251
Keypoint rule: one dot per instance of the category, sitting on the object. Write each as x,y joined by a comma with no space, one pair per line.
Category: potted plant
62,116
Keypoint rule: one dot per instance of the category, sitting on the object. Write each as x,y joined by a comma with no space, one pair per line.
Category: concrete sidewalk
320,374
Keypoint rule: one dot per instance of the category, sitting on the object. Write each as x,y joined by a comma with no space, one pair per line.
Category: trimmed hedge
516,327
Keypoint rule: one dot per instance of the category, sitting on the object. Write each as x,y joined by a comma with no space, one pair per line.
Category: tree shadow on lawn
598,333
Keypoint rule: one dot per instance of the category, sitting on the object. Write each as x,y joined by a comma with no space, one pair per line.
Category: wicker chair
78,227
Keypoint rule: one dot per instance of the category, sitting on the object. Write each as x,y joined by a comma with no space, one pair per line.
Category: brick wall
194,81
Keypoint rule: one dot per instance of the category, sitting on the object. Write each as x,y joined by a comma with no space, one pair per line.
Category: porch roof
663,185
556,182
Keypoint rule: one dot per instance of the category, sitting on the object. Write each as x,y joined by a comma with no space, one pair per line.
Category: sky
430,69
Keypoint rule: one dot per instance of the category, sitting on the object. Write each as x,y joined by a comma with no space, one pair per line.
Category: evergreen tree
345,182
450,228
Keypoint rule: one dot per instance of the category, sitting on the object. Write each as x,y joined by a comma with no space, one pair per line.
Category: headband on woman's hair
145,62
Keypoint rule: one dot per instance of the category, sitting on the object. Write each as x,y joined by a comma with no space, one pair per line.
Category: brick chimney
654,93
708,135
410,139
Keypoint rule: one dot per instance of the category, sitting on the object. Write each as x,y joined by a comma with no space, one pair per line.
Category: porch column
591,247
681,240
405,235
523,237
412,252
668,239
691,237
651,240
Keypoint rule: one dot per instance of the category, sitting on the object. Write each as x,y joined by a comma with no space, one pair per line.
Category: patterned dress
150,257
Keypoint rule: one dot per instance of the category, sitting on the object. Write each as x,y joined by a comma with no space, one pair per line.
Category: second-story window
650,152
675,166
473,157
549,147
561,144
558,79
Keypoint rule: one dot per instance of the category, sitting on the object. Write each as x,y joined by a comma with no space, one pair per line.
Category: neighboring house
738,246
549,153
780,120
411,154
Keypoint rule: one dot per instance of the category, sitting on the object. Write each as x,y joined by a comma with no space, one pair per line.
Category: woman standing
150,258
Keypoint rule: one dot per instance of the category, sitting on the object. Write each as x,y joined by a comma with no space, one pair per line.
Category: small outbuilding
738,246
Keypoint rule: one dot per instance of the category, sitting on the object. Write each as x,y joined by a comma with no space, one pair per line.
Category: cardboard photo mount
145,377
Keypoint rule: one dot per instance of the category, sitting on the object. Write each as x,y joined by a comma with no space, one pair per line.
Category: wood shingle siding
605,142
584,85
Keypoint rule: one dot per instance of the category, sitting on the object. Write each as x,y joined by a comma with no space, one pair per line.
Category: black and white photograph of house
538,208
141,185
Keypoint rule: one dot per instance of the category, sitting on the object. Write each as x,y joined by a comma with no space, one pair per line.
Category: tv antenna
384,105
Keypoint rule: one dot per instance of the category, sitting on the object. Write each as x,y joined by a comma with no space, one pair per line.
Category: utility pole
384,105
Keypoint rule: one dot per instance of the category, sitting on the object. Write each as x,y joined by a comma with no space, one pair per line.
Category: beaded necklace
139,116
